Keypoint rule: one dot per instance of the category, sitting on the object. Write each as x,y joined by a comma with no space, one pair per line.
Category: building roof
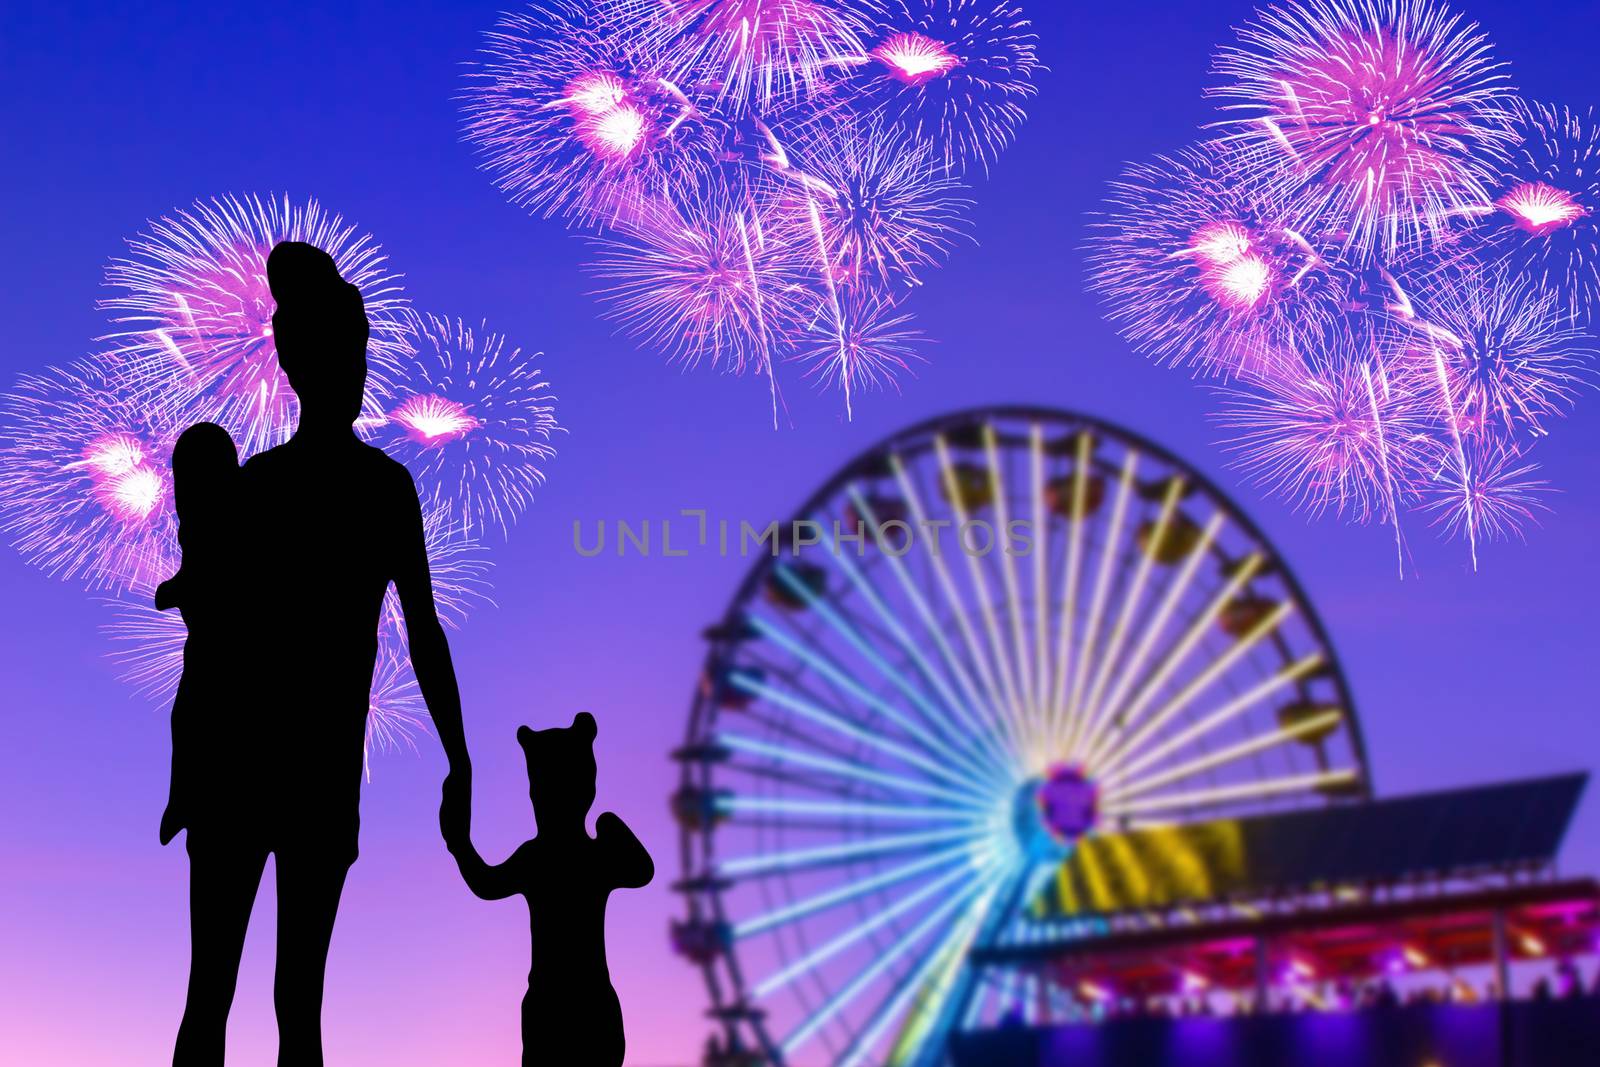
1455,833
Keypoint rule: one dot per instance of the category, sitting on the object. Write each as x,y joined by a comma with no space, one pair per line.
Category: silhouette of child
205,474
571,1015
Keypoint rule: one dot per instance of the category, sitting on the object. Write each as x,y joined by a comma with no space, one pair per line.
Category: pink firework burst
915,58
885,212
1539,209
1335,432
721,283
1385,118
1546,224
459,566
861,342
147,645
473,420
955,73
1200,264
194,313
85,484
757,54
396,712
1496,498
1508,352
575,115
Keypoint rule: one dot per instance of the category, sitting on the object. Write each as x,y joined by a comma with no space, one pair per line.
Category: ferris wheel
996,638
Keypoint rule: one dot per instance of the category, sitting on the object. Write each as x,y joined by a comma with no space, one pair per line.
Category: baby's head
561,770
204,463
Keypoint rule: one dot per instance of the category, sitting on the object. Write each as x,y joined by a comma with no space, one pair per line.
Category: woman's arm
430,652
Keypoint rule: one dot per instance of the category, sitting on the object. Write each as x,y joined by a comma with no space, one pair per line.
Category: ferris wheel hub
1051,813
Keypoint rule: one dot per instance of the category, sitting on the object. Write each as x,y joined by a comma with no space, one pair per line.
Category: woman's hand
455,807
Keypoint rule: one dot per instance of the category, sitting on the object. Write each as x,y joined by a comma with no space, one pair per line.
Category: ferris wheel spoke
1041,595
811,712
854,890
1019,640
830,670
1157,624
854,934
1097,601
968,709
1113,770
871,972
1197,685
1003,665
739,805
1072,567
996,703
1130,604
946,958
942,718
835,767
828,855
1310,726
1226,794
1178,654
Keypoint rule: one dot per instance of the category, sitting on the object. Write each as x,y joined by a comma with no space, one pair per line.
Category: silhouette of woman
319,528
570,1016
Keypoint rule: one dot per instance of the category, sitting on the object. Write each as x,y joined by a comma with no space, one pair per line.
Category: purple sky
113,117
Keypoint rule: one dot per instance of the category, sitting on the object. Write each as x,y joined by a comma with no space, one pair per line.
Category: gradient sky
116,113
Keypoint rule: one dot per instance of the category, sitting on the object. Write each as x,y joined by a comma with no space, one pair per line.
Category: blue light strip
801,758
810,712
854,934
832,898
870,973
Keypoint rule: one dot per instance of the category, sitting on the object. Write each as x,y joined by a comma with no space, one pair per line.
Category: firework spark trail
193,313
1384,117
760,314
1383,460
1469,522
841,369
473,422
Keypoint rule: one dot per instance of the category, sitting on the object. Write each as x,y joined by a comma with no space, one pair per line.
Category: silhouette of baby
205,475
571,1016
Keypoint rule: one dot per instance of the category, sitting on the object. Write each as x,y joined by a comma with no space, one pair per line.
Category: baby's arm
169,594
631,865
